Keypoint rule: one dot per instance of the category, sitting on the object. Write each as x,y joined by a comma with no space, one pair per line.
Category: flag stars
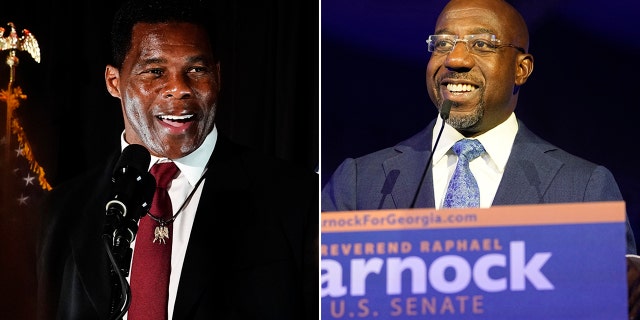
22,200
28,180
19,152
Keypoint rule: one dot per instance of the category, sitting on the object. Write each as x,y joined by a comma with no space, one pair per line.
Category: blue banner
570,264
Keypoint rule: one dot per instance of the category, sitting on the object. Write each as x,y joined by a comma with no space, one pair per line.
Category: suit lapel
224,175
410,163
196,271
406,184
529,171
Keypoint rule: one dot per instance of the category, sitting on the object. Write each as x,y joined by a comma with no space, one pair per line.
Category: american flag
23,186
23,179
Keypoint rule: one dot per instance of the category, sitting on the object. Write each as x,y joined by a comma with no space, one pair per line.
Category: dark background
582,95
270,99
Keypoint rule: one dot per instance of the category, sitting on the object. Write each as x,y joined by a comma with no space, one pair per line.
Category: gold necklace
161,232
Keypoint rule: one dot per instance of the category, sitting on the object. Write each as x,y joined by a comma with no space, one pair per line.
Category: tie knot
468,149
164,172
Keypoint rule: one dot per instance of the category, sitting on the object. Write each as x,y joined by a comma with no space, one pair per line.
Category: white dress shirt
487,169
192,167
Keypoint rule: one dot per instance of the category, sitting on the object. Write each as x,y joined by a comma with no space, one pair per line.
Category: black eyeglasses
479,44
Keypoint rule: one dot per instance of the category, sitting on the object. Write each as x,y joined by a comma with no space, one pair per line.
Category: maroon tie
151,266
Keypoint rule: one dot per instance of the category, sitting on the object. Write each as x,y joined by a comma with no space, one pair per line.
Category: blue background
582,95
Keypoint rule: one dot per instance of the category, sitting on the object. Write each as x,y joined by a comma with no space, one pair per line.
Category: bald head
482,84
495,12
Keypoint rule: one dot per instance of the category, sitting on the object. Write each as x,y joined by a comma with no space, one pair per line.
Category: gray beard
462,122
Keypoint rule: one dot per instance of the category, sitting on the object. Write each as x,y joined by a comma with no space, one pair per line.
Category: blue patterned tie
463,191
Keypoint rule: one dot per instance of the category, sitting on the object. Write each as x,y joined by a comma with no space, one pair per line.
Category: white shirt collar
193,164
497,142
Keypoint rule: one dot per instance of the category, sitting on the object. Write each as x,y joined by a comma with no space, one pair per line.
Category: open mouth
176,120
460,87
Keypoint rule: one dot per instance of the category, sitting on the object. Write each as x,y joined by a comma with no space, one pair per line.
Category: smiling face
168,88
482,87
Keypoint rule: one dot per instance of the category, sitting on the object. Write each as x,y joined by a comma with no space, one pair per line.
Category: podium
546,261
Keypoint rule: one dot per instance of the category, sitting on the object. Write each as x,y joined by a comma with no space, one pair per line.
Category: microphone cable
444,114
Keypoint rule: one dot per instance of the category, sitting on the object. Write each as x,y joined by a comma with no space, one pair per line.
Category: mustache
454,75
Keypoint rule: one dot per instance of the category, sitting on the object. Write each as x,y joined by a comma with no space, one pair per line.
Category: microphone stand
117,247
444,114
132,193
121,291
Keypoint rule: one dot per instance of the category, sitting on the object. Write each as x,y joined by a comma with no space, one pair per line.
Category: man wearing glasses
479,61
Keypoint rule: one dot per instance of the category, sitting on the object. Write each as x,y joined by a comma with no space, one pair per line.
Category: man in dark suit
244,230
479,61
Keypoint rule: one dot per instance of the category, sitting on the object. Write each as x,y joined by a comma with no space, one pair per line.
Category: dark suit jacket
536,172
252,253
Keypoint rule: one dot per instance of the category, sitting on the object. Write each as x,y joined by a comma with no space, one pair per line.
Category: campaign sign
549,261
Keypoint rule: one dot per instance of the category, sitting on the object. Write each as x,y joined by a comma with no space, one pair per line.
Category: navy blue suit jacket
537,172
252,252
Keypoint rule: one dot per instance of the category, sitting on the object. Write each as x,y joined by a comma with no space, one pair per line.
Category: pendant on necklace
161,233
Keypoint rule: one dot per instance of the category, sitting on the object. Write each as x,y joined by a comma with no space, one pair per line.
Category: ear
112,79
524,68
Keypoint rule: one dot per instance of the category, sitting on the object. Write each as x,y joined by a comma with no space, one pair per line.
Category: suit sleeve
602,186
339,193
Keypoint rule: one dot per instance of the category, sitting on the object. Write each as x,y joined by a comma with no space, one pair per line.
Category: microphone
131,196
389,183
445,109
444,114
